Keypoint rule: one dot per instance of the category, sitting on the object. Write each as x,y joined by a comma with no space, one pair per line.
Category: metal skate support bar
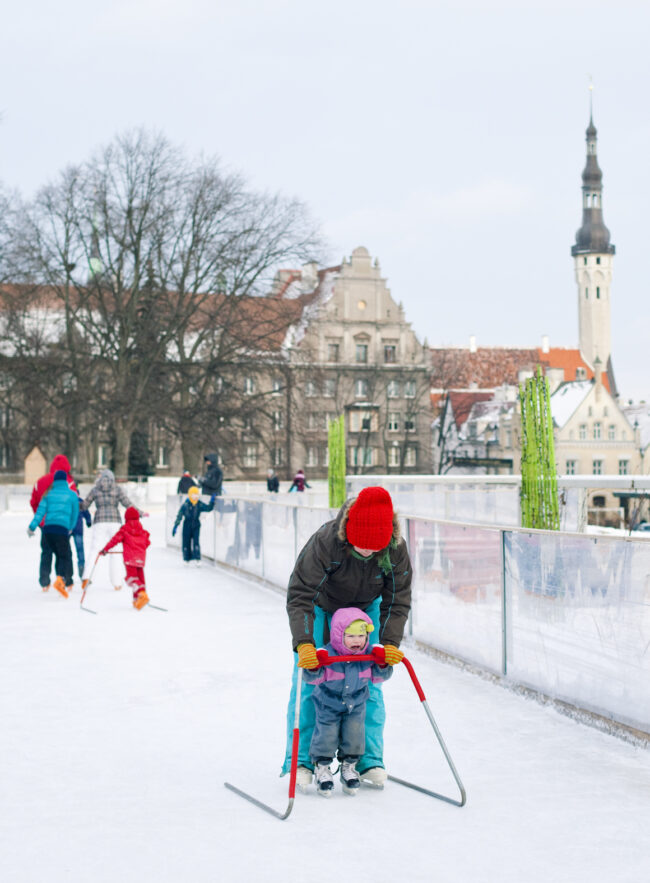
294,766
423,700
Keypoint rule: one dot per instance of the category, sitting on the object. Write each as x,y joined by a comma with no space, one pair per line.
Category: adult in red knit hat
358,560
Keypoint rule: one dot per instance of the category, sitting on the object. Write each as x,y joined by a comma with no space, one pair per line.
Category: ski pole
293,770
418,689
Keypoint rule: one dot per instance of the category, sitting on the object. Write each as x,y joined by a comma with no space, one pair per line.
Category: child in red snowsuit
135,540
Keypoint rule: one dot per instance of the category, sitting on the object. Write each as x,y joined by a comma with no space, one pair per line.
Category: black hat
59,474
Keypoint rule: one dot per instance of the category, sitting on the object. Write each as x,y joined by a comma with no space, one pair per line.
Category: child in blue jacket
78,538
340,696
190,515
59,507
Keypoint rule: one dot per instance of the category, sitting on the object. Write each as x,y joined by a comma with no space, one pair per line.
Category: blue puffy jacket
60,508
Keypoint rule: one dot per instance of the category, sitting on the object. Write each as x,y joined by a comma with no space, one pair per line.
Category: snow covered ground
117,732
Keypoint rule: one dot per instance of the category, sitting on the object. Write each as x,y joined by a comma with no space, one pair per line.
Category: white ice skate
303,778
350,781
324,779
375,776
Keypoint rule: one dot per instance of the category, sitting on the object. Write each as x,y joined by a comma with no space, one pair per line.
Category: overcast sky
446,137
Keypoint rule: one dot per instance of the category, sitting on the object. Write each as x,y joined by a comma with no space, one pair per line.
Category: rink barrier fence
566,615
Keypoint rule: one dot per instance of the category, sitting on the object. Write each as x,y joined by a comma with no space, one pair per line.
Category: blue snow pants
191,547
375,711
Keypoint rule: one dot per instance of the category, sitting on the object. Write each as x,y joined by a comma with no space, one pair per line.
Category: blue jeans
342,731
375,711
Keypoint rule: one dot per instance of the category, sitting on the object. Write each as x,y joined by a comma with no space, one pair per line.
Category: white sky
446,137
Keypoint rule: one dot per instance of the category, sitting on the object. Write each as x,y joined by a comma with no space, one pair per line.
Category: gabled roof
462,403
567,398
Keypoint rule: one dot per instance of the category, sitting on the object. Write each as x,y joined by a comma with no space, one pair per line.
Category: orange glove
307,657
392,654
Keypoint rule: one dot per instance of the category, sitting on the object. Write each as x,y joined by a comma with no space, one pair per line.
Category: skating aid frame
296,739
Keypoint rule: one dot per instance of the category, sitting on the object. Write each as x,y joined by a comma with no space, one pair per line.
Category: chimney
472,343
545,343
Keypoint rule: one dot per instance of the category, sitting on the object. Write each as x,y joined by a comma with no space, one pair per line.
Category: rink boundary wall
496,602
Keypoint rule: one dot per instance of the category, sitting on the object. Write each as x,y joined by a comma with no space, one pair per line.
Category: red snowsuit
45,482
135,540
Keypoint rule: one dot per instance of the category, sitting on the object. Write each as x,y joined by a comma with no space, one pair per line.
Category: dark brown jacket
327,574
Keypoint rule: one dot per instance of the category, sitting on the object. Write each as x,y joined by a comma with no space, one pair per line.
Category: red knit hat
370,519
131,514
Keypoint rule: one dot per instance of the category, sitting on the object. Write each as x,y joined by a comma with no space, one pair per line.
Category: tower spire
593,236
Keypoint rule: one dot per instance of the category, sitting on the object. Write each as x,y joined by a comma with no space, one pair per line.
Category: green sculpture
539,498
336,468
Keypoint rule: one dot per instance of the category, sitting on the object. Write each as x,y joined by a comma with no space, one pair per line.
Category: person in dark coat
358,559
185,483
78,538
272,482
190,515
211,482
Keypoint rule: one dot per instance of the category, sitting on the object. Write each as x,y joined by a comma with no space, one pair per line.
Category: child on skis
190,515
135,540
340,695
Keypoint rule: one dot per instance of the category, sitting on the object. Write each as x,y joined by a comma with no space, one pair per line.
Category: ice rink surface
118,730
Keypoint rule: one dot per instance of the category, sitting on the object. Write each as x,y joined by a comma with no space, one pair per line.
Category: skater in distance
190,515
357,559
340,695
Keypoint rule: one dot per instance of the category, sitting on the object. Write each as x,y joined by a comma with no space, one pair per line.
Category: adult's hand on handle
30,532
307,657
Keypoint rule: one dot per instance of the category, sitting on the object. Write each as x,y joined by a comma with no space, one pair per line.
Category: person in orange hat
135,541
359,559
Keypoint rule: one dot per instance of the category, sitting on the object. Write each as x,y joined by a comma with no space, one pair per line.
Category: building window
409,425
471,429
362,352
597,260
4,456
249,386
597,292
393,389
390,353
394,455
605,411
277,456
361,389
611,433
332,352
585,261
277,386
359,456
329,387
314,420
570,467
312,456
163,457
278,421
508,438
581,374
623,467
409,389
411,457
582,431
597,467
393,421
596,430
310,388
102,456
587,293
250,456
362,421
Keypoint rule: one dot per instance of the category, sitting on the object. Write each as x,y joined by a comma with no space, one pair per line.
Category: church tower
593,257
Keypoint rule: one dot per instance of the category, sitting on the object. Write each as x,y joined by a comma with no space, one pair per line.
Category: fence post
504,608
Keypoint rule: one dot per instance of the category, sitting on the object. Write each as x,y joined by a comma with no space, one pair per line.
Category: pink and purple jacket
343,686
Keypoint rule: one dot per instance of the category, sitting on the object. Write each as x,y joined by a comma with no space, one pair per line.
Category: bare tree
149,257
